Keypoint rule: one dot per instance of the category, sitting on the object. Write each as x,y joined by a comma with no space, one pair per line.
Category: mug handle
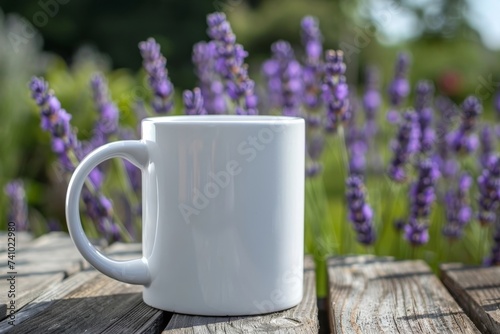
131,271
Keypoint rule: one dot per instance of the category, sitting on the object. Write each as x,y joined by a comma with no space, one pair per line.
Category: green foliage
19,125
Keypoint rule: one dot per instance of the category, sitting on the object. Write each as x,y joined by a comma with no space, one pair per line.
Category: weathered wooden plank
477,291
22,240
300,319
46,300
90,302
50,254
373,295
26,289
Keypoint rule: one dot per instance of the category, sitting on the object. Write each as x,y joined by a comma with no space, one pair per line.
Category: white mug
223,213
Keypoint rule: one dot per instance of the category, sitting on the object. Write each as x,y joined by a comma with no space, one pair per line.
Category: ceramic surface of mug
223,213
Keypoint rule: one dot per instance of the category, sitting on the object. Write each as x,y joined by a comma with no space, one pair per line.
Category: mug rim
225,119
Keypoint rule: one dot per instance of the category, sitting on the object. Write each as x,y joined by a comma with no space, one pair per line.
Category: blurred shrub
25,149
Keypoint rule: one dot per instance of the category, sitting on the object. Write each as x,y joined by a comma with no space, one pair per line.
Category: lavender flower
70,151
422,196
360,213
423,101
448,112
134,174
193,102
494,258
464,140
405,144
335,89
416,233
422,193
486,140
399,88
458,210
107,123
18,208
399,224
154,63
211,87
315,144
313,67
230,65
54,118
371,101
357,147
489,191
284,79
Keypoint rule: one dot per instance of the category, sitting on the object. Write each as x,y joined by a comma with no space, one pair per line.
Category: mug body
223,213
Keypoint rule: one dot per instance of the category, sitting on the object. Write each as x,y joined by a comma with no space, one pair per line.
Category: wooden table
58,292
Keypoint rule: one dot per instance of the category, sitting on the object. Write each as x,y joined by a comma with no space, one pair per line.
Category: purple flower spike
313,169
155,65
70,152
399,224
212,88
458,210
486,139
494,258
107,123
230,65
489,191
360,213
54,119
423,101
18,207
357,146
404,146
399,87
283,74
422,192
335,89
464,140
416,233
448,112
193,102
422,196
371,101
312,40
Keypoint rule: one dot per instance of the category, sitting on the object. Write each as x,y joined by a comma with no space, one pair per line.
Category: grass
328,231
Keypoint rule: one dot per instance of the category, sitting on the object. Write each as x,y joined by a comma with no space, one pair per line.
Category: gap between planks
90,301
369,294
477,291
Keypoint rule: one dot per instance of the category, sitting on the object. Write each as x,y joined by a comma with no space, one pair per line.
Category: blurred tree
116,27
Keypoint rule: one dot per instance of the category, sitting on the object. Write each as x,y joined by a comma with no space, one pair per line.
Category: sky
484,16
397,24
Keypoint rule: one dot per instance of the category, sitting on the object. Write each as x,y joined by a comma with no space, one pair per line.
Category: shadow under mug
223,213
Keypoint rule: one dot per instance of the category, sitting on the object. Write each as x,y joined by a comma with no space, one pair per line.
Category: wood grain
90,302
378,295
22,240
27,289
52,253
300,319
97,305
477,290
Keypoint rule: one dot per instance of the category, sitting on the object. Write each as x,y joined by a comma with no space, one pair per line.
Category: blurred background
454,43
